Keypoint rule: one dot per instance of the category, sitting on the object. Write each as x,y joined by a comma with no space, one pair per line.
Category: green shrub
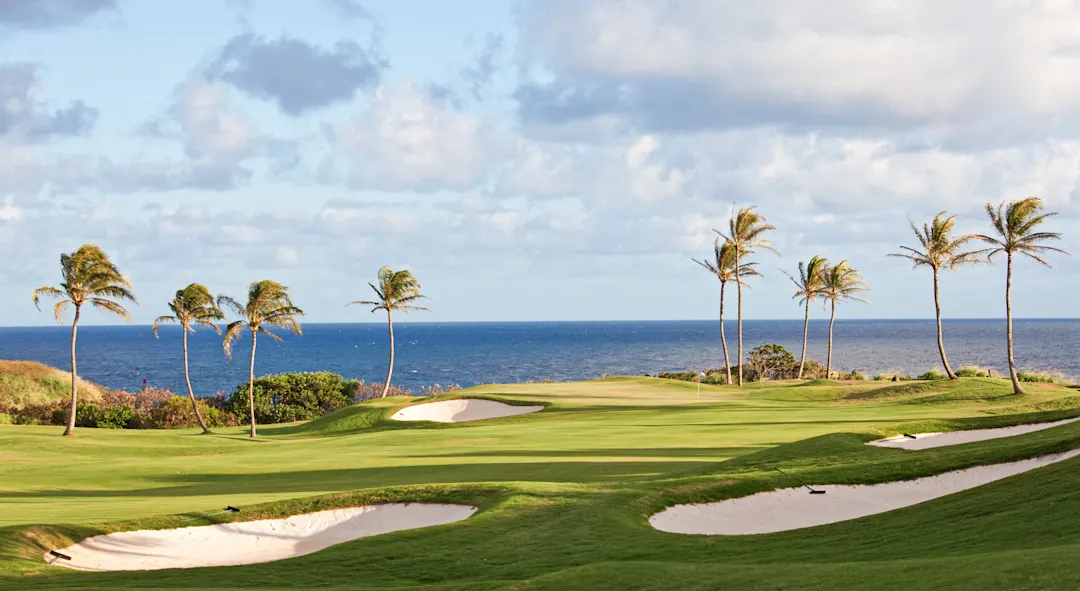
972,371
932,374
86,414
771,361
891,376
288,397
856,376
1042,377
120,416
6,419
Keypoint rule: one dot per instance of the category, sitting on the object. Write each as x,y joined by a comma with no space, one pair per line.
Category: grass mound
931,391
27,383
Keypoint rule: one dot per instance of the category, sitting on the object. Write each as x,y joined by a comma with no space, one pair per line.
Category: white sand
251,542
795,508
929,440
461,410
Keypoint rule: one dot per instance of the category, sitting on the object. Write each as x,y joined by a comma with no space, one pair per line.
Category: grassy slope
29,382
564,493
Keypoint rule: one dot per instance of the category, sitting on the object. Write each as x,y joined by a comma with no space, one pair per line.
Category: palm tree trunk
940,340
251,382
805,334
70,430
738,286
723,338
1017,388
828,362
191,393
390,369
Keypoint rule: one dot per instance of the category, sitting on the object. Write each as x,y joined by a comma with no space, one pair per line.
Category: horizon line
438,322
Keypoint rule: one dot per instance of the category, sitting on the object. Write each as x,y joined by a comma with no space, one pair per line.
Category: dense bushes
770,361
153,408
288,397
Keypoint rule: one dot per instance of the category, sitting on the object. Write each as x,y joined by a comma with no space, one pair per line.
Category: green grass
565,493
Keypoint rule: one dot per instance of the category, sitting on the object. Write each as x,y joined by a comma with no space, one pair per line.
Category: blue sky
529,160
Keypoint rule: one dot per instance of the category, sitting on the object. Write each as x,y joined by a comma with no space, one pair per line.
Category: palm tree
1015,223
89,278
940,251
809,285
192,306
746,231
840,283
397,290
268,305
723,266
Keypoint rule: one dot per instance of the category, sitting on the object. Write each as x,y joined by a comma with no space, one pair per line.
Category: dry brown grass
25,383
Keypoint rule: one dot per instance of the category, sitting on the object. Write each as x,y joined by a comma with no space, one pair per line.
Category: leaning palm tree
193,306
808,287
723,266
940,251
746,232
1015,223
840,283
89,278
268,305
397,290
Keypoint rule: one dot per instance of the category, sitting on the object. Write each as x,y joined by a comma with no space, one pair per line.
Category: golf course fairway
563,496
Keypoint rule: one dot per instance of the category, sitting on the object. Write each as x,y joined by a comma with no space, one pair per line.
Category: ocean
467,354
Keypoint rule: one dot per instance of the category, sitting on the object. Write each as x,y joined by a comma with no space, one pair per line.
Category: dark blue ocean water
476,353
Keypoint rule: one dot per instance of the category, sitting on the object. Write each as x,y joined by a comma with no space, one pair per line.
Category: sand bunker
461,410
929,440
251,542
795,508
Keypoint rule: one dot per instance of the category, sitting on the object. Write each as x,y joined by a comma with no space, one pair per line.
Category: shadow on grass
662,452
307,481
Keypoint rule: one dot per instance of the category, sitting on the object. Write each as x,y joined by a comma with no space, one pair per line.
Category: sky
531,160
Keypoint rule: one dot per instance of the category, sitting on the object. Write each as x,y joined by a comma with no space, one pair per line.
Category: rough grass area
565,494
24,383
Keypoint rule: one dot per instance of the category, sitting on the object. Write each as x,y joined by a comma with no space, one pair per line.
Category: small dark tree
770,360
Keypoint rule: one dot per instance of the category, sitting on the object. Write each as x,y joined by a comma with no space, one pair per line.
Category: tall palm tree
809,286
397,290
723,266
268,305
193,306
840,283
89,278
1015,223
746,231
940,251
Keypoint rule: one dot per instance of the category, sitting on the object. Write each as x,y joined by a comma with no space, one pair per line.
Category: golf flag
702,374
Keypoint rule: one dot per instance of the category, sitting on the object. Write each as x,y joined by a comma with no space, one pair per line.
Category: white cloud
878,63
407,140
8,210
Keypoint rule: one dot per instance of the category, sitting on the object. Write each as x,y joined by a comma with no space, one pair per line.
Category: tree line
91,278
1016,231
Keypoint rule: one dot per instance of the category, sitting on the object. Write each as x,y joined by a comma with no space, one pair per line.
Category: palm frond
111,307
232,332
162,320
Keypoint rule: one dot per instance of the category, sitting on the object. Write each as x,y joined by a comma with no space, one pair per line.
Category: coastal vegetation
397,290
940,250
839,283
193,306
89,277
268,305
722,265
1016,232
809,285
747,233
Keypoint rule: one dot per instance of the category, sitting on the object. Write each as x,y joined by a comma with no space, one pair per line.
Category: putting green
564,494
